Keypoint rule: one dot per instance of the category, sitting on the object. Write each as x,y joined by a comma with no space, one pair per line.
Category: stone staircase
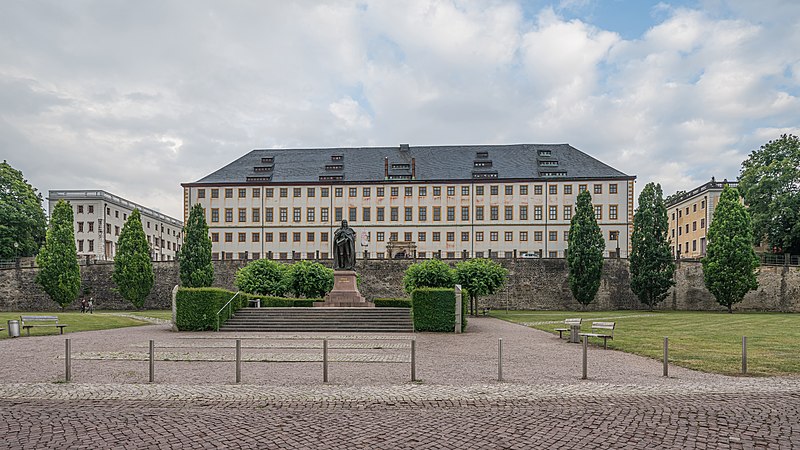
345,320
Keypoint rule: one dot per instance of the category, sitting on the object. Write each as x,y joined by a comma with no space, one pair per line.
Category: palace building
460,201
100,216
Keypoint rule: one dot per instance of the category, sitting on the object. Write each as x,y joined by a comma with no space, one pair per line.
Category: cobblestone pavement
372,404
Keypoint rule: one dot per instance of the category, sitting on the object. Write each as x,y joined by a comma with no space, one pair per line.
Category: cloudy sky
136,97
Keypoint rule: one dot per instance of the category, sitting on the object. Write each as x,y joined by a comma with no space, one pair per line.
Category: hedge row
434,309
393,303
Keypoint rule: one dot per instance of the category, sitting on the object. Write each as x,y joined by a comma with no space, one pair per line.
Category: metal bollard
585,351
666,356
68,361
413,360
152,360
238,361
500,359
324,360
744,355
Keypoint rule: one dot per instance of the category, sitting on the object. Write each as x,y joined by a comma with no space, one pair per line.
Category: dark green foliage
652,266
729,268
195,256
770,185
430,273
133,270
434,310
479,277
59,274
392,302
22,219
585,251
196,308
309,279
263,277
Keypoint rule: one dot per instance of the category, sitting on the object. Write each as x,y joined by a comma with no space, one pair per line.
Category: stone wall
533,284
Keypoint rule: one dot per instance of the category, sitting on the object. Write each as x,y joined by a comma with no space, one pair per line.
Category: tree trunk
730,308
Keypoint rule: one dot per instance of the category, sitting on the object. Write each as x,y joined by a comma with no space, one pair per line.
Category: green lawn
100,320
707,341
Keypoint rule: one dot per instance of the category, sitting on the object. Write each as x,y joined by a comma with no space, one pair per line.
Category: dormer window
262,169
552,163
337,157
401,166
268,160
483,164
545,153
482,155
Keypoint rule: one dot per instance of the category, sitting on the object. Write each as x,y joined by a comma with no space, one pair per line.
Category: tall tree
59,274
651,261
480,277
133,270
585,251
729,268
23,224
770,185
194,257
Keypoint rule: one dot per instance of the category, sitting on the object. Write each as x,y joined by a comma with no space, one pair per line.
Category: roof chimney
413,169
404,147
386,168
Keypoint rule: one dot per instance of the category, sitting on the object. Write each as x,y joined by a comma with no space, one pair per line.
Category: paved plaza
370,401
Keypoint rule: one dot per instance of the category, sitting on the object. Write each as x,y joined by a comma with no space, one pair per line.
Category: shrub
262,277
282,302
392,303
431,273
133,270
309,279
434,309
196,308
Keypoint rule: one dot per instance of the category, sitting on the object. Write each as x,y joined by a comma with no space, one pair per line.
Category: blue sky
138,97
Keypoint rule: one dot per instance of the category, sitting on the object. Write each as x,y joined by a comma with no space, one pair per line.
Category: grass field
76,321
706,341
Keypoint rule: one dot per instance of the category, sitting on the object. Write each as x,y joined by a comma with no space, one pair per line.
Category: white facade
100,216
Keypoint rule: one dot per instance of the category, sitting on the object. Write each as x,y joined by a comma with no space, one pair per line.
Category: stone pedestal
345,292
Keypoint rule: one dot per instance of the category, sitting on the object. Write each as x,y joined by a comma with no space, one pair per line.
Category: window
324,192
108,228
509,190
297,192
214,237
523,236
365,192
423,213
407,236
409,191
80,245
91,245
464,190
284,192
337,214
116,213
694,226
379,191
437,191
694,245
255,237
566,235
409,213
256,215
613,235
311,214
228,214
421,236
352,192
365,214
702,224
493,236
494,212
553,213
423,191
553,189
242,237
393,236
451,213
537,212
242,192
537,189
479,213
80,227
394,191
508,236
451,236
437,213
352,214
311,192
451,191
479,236
509,213
523,212
379,236
214,193
242,214
598,212
91,211
478,190
437,236
228,192
702,205
552,236
523,190
612,212
310,236
297,214
465,213
581,188
394,213
537,236
694,207
228,237
324,238
338,192
268,214
323,214
296,236
269,192
598,188
284,214
568,189
268,237
380,217
567,212
464,236
256,192
612,188
91,226
493,190
553,254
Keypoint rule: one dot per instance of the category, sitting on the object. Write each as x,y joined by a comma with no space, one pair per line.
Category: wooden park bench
606,335
568,323
50,321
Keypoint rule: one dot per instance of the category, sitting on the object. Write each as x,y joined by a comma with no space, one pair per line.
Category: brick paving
373,405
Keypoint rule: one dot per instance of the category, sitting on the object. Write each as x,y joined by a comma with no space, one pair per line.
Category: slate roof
431,163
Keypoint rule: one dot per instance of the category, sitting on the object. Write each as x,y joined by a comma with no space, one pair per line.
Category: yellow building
434,201
690,215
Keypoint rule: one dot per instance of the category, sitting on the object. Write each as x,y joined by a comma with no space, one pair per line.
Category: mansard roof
412,163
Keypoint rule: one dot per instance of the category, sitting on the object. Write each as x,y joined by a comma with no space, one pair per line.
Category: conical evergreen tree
729,268
59,274
652,266
133,270
195,255
585,251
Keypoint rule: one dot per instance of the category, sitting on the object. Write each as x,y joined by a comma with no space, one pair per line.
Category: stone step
321,319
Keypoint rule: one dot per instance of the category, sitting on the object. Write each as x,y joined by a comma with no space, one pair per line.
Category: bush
196,308
309,279
432,273
434,309
393,303
262,277
282,302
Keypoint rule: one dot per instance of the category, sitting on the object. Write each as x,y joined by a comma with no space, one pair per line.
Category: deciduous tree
263,277
585,251
309,279
433,273
133,269
59,274
652,266
480,277
22,219
194,256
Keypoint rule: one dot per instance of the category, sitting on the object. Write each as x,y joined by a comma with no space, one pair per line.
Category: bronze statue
344,248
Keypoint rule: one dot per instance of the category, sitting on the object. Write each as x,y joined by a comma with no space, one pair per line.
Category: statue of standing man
344,248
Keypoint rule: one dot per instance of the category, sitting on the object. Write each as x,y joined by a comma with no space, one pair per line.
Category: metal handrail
228,305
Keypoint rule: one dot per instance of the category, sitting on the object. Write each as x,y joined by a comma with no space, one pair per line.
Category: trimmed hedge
392,303
434,309
282,302
196,308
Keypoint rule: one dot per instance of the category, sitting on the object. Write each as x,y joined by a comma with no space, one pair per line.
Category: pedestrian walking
83,305
91,305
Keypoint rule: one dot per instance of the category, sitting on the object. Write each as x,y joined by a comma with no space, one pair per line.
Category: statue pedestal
345,293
